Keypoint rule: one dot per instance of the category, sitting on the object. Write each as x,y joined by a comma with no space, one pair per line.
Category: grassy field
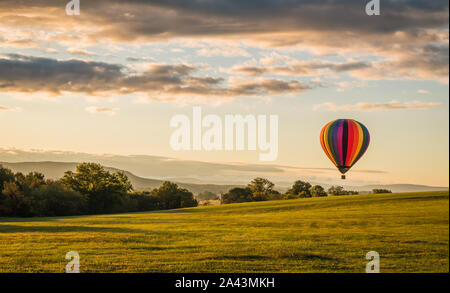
410,231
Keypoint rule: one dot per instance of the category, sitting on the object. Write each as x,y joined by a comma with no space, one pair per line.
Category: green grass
410,231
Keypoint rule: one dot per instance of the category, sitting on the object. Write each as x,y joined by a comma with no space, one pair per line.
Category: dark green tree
172,197
380,190
261,188
6,175
14,201
299,189
55,199
276,195
339,190
336,190
317,191
105,191
237,194
27,183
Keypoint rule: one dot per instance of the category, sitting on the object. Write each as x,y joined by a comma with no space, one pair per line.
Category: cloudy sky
110,79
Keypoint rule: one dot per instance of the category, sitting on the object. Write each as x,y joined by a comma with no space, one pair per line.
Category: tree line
89,190
261,189
93,190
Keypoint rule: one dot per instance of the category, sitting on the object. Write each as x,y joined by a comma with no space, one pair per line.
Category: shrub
237,194
172,197
375,191
339,190
145,201
275,195
13,201
299,189
56,200
6,175
317,191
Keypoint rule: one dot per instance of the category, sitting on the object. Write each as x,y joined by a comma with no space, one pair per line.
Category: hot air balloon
344,141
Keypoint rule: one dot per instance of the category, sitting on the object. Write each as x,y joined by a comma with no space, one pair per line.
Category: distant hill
191,171
399,187
55,170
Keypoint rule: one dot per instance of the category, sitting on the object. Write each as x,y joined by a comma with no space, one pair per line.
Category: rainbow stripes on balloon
344,141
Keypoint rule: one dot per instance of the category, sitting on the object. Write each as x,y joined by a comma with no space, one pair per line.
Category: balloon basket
342,176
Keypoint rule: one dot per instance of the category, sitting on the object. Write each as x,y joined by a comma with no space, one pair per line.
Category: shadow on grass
293,256
65,229
181,211
124,215
237,257
304,256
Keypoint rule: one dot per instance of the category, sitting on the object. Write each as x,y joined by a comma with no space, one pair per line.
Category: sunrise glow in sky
110,79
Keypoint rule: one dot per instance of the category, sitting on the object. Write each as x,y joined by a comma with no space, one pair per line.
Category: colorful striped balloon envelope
344,141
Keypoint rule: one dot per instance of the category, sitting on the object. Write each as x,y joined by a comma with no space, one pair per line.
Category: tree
90,189
260,185
299,189
261,188
27,183
143,201
207,195
276,195
56,200
105,191
90,178
317,191
14,200
336,190
6,175
15,189
339,190
172,197
237,194
376,191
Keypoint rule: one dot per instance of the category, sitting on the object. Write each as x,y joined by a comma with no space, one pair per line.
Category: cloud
410,37
20,73
80,52
343,85
302,68
9,109
368,107
276,23
226,51
100,110
140,59
428,62
227,17
33,74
